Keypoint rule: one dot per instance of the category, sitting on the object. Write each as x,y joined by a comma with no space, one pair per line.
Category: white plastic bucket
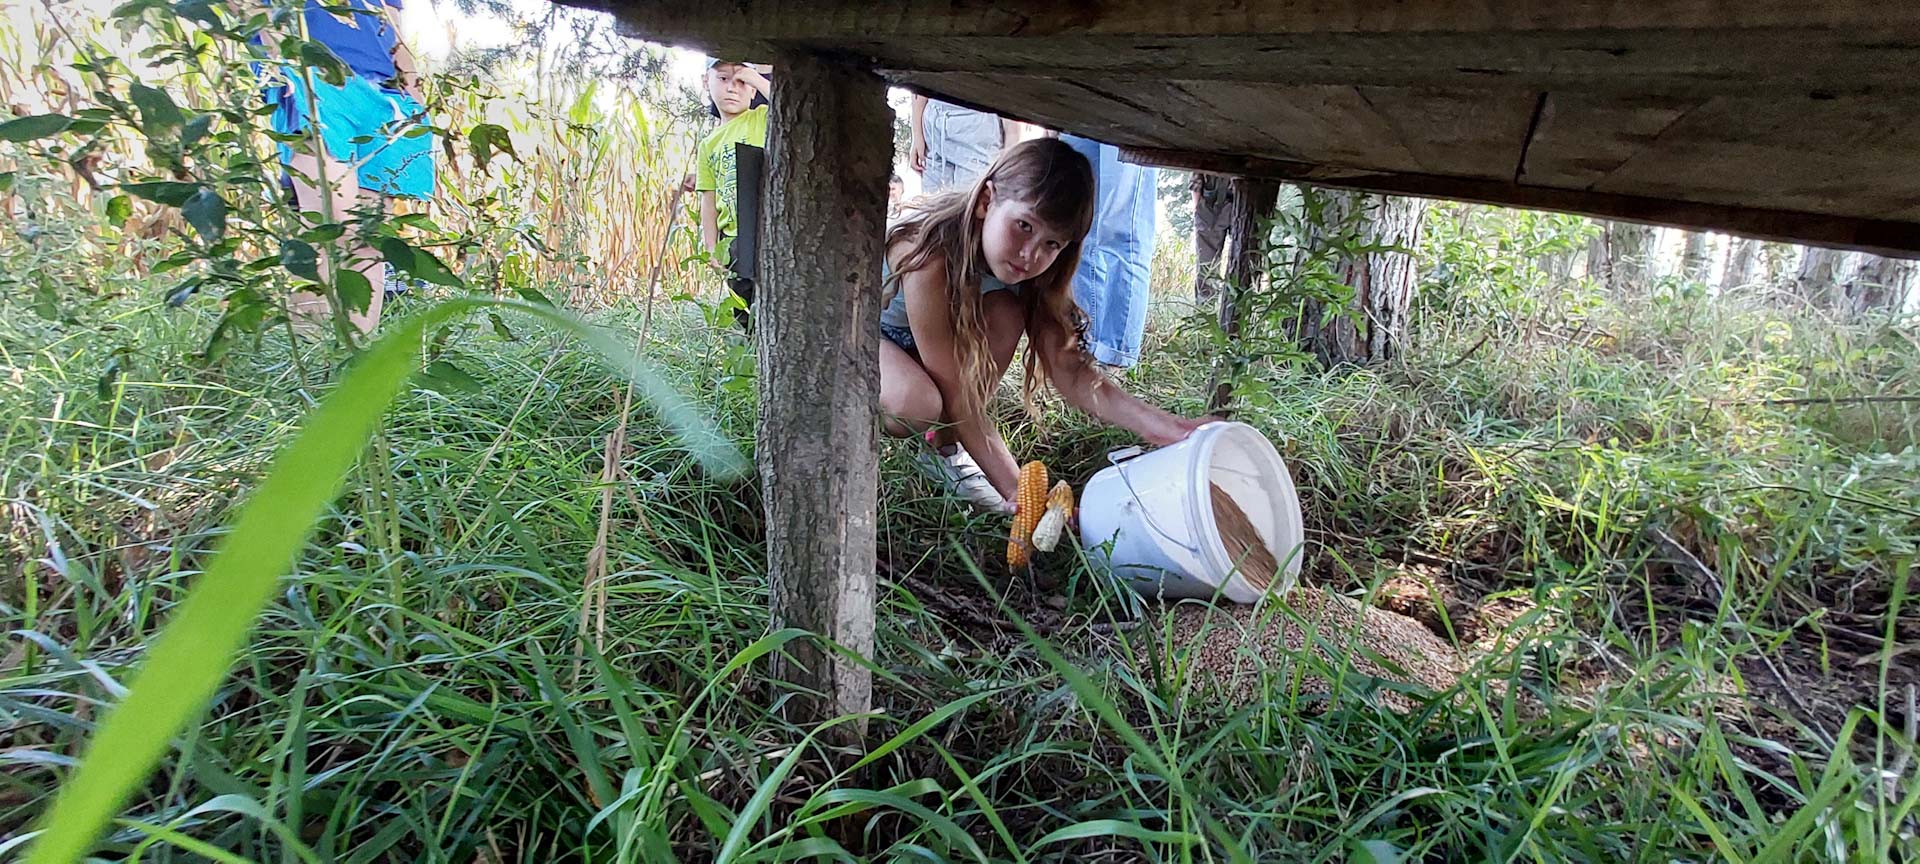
1157,509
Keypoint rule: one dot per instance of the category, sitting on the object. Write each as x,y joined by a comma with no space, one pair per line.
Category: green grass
420,687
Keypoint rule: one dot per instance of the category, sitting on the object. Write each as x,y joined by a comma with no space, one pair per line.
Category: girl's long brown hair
1059,184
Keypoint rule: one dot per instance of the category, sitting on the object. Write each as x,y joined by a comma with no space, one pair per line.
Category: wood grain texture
817,316
1881,236
782,20
1784,119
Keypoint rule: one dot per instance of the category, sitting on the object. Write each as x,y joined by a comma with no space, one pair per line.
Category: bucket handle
1126,454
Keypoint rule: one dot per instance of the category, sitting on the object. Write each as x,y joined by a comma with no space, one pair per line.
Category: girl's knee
911,413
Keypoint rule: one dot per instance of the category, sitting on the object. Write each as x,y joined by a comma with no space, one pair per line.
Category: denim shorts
900,336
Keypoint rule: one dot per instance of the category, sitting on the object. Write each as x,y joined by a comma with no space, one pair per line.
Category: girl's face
1017,244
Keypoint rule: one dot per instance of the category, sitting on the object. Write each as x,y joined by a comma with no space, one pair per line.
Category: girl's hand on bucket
1177,429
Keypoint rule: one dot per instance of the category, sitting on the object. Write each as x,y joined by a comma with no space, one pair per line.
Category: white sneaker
963,477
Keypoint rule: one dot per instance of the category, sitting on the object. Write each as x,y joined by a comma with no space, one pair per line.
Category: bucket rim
1202,522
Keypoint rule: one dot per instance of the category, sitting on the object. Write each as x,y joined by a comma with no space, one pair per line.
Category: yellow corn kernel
1030,502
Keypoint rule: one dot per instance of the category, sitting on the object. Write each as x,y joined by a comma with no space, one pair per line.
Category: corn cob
1029,503
1046,534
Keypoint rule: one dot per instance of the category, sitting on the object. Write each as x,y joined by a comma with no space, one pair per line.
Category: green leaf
6,180
532,295
158,114
197,10
133,8
119,208
920,727
300,259
1375,851
447,378
487,139
172,193
1114,828
500,327
749,818
116,366
180,294
315,56
33,128
355,290
427,266
327,233
187,660
46,301
419,263
206,211
196,129
420,221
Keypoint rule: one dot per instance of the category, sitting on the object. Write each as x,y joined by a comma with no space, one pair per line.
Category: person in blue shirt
367,127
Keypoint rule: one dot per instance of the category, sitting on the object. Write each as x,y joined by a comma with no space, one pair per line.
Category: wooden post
1252,200
816,316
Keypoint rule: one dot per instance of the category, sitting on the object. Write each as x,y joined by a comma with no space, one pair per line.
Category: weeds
413,692
1671,538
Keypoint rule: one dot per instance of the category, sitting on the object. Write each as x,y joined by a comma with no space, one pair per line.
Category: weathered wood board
1775,118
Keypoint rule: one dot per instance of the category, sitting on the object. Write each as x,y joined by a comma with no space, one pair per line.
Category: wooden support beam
1253,200
775,21
830,147
1879,236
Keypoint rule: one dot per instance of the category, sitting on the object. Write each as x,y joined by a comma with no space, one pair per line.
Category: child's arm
927,314
917,153
710,222
756,77
1083,387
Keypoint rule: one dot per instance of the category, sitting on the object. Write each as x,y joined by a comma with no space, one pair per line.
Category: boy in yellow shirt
733,88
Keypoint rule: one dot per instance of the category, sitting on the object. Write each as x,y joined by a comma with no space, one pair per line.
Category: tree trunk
817,322
1628,249
1619,257
1599,270
1251,201
1818,275
1742,255
1382,282
1696,257
1880,285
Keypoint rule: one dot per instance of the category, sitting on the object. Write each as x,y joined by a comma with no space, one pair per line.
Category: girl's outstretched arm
1085,388
927,314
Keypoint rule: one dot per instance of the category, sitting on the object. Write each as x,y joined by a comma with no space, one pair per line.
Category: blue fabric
1116,261
357,124
366,44
900,336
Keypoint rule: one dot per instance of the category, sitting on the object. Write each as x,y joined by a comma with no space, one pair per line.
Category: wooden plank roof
1783,119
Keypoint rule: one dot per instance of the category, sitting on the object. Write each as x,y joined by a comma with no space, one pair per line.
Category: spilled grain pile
1229,645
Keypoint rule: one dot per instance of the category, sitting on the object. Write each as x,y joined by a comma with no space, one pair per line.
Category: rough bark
1626,256
1382,282
1742,256
1696,256
1880,285
1251,200
829,149
1816,281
